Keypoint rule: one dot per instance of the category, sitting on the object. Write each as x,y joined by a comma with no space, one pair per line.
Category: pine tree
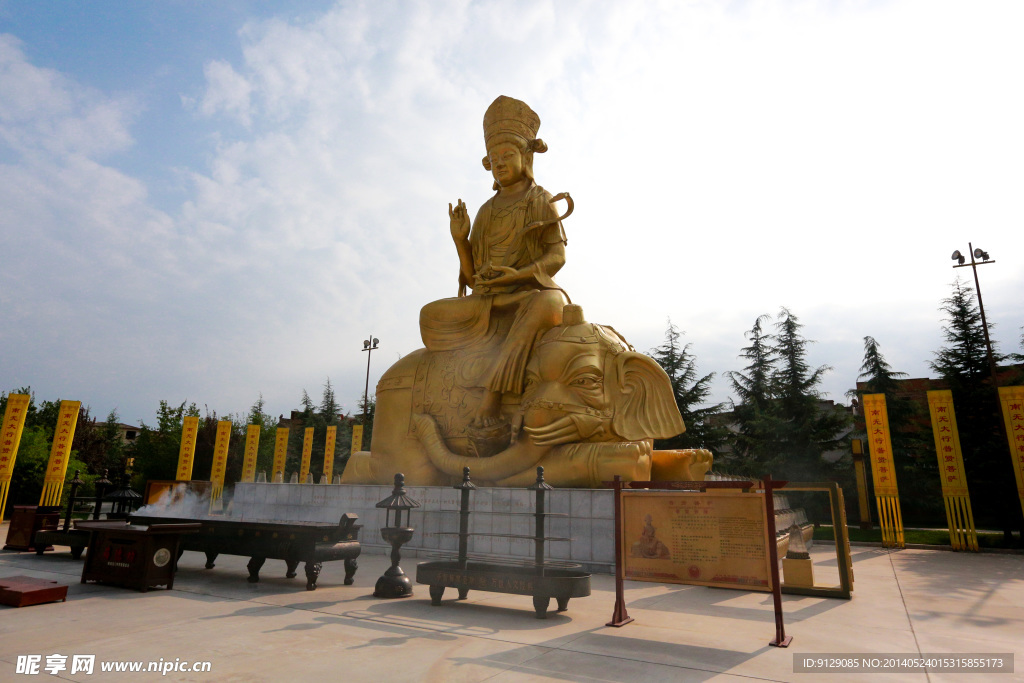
912,448
754,443
807,428
690,393
963,363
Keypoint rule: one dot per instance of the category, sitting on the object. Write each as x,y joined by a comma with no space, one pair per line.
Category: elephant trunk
519,456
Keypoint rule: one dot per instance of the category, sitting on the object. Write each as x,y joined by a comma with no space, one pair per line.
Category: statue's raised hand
459,221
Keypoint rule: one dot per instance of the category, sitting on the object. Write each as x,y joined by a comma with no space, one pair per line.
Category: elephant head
584,383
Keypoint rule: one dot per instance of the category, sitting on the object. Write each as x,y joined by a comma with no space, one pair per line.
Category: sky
210,202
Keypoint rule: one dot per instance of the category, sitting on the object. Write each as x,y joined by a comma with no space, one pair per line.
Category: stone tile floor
908,601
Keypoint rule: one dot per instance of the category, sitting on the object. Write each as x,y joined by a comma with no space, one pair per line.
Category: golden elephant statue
590,409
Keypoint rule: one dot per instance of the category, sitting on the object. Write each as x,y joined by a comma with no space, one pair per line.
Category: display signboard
713,538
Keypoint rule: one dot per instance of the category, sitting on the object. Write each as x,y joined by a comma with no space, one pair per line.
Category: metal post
75,483
369,345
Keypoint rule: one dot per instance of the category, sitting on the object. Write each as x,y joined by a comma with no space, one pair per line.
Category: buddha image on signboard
649,546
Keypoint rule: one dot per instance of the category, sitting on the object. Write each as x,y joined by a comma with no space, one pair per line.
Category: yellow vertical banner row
357,438
307,454
252,449
955,496
332,436
280,453
60,451
10,438
883,470
187,451
1012,401
220,461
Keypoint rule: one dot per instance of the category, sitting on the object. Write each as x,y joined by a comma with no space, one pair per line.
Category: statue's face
506,163
565,373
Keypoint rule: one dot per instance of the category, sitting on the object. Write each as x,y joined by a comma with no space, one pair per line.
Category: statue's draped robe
503,237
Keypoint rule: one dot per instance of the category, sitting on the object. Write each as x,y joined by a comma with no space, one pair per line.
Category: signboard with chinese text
60,451
715,538
187,452
252,448
332,435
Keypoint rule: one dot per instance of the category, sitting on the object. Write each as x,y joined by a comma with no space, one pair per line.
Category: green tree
808,429
963,363
156,448
691,393
754,443
913,450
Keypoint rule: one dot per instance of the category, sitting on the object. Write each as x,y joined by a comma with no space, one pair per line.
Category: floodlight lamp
983,255
375,340
366,343
957,256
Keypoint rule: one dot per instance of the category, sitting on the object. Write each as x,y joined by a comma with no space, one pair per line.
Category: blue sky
209,201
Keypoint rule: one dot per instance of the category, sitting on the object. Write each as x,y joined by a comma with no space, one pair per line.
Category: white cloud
725,159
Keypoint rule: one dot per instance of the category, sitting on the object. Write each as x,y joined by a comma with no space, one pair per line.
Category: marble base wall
590,520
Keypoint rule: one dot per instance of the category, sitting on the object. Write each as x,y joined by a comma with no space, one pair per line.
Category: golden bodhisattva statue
512,376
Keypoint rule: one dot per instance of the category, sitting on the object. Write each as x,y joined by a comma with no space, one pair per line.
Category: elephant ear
645,407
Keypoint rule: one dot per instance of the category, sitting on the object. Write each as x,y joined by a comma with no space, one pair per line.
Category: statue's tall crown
507,115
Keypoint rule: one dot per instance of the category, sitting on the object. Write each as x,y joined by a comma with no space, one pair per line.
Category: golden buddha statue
504,383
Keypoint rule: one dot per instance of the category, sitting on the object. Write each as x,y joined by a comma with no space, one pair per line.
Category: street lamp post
985,260
369,345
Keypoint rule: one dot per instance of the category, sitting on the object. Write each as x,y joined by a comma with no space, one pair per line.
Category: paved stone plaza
909,602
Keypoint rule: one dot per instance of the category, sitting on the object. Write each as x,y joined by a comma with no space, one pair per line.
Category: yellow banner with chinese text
332,436
883,470
280,453
307,454
220,460
1012,401
187,451
959,517
60,451
10,437
357,438
252,448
